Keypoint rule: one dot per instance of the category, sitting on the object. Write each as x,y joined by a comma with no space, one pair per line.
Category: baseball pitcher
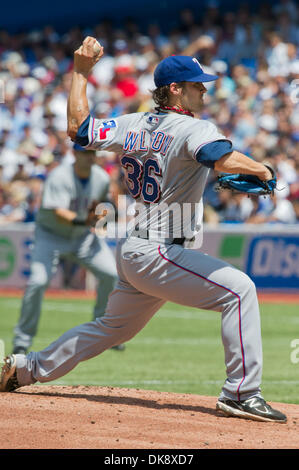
166,155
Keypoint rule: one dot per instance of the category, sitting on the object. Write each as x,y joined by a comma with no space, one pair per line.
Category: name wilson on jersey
136,142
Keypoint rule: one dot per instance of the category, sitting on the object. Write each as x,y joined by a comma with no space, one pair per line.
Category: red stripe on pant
239,308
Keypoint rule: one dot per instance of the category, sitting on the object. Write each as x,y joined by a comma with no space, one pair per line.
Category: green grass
179,350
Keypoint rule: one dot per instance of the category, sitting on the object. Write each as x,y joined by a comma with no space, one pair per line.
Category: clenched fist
85,57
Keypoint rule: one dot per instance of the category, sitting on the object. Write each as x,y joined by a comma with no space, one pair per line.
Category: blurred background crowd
255,102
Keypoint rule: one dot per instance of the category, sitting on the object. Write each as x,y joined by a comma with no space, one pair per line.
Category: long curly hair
161,95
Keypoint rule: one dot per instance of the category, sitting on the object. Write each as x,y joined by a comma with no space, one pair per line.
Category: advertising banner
269,255
16,245
273,261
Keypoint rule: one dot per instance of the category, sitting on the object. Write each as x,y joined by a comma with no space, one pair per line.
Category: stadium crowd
255,102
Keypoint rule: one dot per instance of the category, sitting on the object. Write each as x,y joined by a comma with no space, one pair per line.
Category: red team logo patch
104,130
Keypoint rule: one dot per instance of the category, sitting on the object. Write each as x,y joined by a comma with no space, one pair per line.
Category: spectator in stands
255,102
277,210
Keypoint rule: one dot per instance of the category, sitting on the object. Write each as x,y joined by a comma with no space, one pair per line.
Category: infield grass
179,350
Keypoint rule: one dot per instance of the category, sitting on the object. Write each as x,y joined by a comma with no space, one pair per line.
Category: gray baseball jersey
63,189
158,155
166,158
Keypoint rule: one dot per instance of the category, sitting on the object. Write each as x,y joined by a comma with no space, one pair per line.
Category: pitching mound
60,417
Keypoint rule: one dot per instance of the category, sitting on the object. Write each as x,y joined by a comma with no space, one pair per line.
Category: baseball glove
248,184
99,210
92,217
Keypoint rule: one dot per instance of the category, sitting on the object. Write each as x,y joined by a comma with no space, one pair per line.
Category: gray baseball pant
149,275
89,251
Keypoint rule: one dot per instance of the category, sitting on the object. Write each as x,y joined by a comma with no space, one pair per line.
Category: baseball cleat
119,347
20,350
253,408
8,381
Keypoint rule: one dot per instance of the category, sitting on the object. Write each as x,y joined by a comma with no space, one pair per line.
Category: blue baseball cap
180,68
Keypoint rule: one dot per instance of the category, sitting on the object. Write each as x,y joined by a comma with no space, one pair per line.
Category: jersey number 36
141,178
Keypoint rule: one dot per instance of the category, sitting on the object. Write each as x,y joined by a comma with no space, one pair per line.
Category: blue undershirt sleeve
213,151
82,134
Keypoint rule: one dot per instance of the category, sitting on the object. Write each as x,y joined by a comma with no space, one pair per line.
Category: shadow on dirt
121,400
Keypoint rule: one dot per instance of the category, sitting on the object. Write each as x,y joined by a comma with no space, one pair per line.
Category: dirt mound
60,417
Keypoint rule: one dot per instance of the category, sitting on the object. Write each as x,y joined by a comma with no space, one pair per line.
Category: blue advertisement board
273,262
